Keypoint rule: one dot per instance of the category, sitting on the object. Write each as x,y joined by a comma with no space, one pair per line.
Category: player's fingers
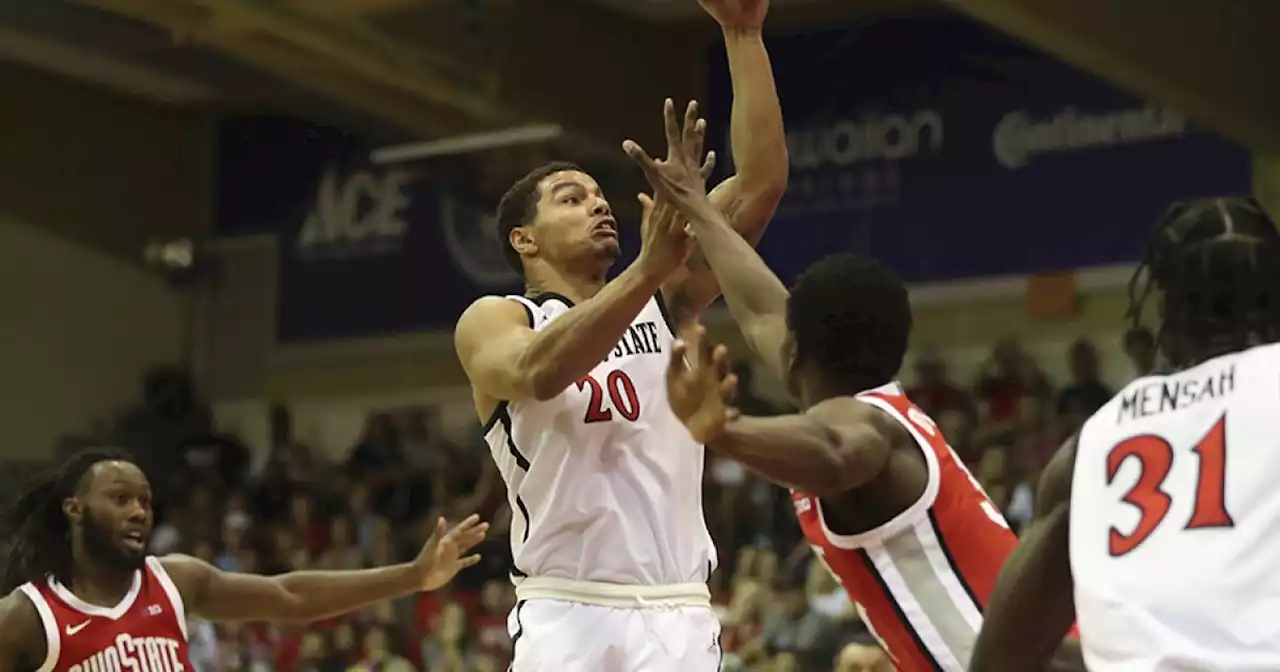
689,129
466,525
720,361
434,540
468,561
696,139
676,364
731,413
729,387
708,165
705,346
639,156
671,124
646,205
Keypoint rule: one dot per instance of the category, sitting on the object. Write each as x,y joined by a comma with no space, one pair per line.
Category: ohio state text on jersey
145,632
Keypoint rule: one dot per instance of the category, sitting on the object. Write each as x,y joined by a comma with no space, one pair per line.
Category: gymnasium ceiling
400,69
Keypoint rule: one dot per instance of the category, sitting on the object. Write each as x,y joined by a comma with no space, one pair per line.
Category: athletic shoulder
190,575
852,413
487,317
22,638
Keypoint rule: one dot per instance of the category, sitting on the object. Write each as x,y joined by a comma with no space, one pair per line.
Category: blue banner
950,151
363,249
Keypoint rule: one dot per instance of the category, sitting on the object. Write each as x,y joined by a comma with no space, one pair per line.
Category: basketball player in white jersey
610,547
1157,524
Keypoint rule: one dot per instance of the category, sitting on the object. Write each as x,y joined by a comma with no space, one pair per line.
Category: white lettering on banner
890,137
471,237
1018,137
359,216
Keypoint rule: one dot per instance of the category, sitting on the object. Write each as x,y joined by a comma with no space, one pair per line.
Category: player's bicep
222,597
491,338
860,437
22,639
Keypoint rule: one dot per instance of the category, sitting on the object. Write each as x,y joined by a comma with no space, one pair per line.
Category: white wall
77,330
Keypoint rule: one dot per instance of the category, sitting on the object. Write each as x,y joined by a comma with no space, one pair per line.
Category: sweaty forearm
794,451
755,124
317,595
750,289
574,343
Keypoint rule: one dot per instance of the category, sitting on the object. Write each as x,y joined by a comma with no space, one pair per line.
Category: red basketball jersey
146,632
922,579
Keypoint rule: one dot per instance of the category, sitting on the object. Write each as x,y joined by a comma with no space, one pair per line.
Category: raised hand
737,14
700,387
682,176
441,558
665,245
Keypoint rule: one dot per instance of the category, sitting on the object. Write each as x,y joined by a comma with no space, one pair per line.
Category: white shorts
550,635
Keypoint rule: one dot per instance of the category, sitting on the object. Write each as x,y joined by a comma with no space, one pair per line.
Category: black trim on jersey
543,297
666,314
897,611
523,463
951,560
516,637
498,411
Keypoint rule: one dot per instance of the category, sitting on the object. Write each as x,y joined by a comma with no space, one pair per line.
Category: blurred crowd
780,609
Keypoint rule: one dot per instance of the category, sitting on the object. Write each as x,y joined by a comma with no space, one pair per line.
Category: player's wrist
743,32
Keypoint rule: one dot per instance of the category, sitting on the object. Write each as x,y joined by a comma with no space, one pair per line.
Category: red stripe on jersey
923,578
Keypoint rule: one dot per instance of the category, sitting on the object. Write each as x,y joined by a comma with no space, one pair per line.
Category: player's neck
97,585
575,286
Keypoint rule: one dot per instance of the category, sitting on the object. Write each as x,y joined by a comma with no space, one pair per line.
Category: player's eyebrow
568,184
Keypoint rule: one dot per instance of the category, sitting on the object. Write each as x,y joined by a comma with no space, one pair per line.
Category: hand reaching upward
700,387
682,176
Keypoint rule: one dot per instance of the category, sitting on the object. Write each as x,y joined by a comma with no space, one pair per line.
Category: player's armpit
22,639
492,339
296,597
835,446
1032,606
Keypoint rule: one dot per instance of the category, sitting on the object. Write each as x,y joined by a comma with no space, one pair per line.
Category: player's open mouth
135,540
606,228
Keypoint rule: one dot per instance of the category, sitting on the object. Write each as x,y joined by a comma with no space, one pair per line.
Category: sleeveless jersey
1175,517
922,579
604,482
146,632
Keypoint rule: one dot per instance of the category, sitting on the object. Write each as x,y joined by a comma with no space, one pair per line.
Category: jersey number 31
1155,461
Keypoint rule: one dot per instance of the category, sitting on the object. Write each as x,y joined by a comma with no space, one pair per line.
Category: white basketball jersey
605,484
1175,521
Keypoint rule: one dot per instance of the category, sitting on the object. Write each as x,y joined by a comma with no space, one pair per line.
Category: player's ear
521,238
73,508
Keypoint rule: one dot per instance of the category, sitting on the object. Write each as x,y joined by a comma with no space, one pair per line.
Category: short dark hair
1217,263
518,206
851,317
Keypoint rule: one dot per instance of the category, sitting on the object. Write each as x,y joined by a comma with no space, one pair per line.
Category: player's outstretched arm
506,359
299,597
834,446
759,145
22,639
756,297
1032,608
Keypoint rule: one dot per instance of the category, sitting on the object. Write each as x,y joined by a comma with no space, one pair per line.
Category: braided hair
37,529
1215,263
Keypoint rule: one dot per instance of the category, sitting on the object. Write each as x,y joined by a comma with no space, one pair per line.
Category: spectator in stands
933,391
1085,393
1006,377
379,656
809,636
1140,346
863,655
